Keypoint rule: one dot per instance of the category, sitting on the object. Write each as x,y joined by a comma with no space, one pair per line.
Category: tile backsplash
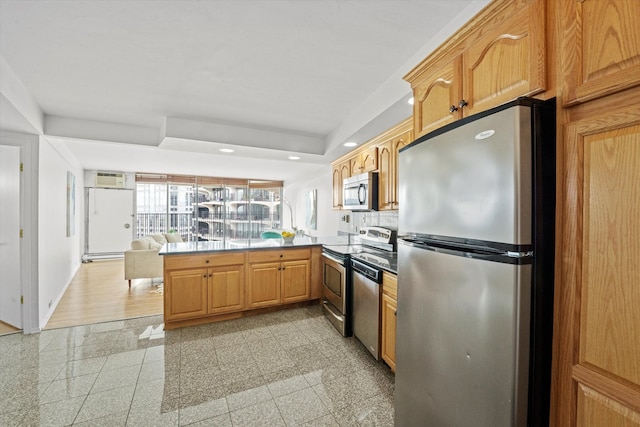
350,222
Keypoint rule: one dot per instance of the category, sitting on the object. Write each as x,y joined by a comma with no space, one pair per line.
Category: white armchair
142,260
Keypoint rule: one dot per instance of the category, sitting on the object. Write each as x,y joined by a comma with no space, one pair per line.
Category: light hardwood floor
5,328
99,293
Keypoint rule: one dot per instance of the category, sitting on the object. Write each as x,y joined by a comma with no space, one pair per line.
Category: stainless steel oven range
337,292
337,277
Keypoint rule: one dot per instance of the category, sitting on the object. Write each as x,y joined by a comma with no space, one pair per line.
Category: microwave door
362,195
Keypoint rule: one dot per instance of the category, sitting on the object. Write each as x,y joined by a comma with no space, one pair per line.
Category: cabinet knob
207,261
453,109
205,276
463,103
281,255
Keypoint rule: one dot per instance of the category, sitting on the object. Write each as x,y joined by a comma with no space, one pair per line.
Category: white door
10,286
110,216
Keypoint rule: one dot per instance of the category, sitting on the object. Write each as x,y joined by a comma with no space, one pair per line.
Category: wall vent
110,180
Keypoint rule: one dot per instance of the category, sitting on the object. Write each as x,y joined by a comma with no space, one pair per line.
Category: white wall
327,218
59,256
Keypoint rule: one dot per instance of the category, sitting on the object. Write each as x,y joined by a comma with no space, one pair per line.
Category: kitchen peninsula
208,281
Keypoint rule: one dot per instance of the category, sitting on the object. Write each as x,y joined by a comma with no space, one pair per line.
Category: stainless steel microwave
360,192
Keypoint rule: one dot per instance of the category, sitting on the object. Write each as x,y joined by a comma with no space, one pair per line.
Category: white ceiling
159,86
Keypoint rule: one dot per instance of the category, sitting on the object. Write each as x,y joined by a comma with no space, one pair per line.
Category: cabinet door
355,165
337,187
340,172
264,285
389,307
295,281
345,171
397,143
388,351
385,176
226,289
601,48
369,160
597,334
436,97
185,294
315,281
507,61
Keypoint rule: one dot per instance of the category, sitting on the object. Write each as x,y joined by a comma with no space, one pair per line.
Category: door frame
10,282
29,156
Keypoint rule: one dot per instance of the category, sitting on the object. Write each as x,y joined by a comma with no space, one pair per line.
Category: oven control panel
378,235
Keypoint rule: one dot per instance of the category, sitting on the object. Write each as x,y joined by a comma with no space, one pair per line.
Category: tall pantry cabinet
596,379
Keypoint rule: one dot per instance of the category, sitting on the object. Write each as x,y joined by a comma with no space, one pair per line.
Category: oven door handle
324,254
330,310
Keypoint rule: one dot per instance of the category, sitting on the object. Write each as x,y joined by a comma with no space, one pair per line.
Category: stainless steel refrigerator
475,271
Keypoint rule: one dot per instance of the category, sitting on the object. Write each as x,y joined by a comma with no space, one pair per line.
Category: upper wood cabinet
437,95
364,161
388,165
601,48
498,57
506,61
378,154
341,171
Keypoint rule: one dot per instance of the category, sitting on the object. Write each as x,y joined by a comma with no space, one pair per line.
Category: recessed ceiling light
227,150
350,144
294,158
410,101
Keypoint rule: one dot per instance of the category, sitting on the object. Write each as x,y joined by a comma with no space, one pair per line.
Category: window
206,208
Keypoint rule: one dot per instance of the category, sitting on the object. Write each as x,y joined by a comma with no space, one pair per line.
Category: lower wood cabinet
274,283
206,284
202,286
225,289
295,280
389,307
185,294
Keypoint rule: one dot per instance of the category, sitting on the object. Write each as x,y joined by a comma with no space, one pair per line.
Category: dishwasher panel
366,309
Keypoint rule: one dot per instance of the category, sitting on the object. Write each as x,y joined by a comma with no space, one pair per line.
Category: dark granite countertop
186,248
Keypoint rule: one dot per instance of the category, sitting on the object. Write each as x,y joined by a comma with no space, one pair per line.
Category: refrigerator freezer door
462,342
473,181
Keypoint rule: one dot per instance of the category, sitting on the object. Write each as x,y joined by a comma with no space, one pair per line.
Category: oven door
334,282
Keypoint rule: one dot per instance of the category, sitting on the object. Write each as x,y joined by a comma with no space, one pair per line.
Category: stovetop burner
382,259
375,246
374,259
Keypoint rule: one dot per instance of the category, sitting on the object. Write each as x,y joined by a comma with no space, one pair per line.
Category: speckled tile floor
289,368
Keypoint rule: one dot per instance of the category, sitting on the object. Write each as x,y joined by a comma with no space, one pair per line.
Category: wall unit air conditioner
110,180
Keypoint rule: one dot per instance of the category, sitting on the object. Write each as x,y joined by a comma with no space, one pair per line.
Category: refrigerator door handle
527,254
414,242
